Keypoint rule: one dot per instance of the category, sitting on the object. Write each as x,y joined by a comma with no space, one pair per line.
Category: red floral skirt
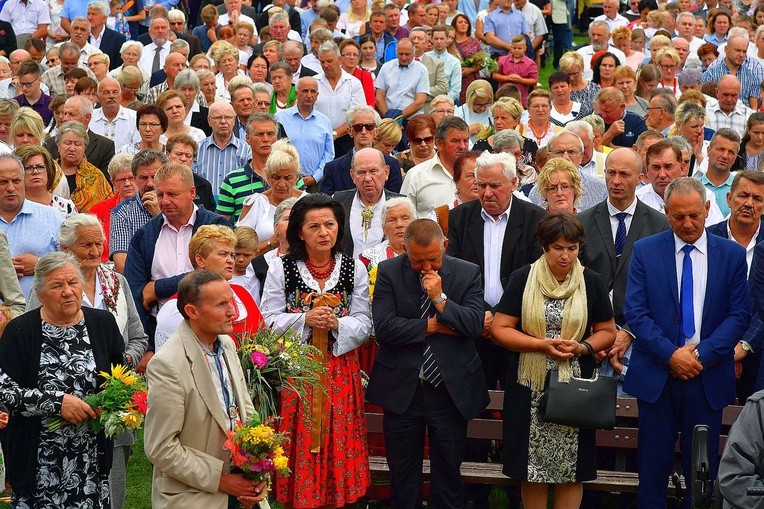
339,473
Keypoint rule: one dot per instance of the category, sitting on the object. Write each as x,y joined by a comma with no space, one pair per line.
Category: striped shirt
750,74
236,187
126,218
214,163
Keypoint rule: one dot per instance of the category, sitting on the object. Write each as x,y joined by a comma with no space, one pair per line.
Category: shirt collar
504,216
701,244
704,180
751,244
190,222
629,210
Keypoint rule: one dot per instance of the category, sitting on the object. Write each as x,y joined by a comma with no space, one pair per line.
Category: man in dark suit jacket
681,369
428,312
111,43
601,225
369,174
100,150
746,202
362,127
199,120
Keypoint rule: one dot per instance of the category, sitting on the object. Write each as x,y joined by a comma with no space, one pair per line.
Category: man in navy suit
102,37
687,304
746,203
427,374
362,127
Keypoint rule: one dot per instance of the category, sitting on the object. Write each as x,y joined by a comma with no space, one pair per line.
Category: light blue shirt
214,163
312,137
505,25
468,8
453,70
402,84
34,230
74,8
306,18
720,191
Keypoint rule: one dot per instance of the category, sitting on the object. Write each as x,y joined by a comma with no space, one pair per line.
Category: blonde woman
477,111
560,186
354,18
667,60
174,106
389,134
538,127
226,58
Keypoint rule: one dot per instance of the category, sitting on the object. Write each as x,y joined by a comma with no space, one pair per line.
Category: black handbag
587,403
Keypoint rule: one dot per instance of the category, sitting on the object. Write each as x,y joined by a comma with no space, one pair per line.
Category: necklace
317,273
535,134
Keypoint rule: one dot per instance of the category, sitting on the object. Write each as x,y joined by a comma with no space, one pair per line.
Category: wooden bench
622,437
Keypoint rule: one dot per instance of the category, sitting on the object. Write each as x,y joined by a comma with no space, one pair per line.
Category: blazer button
676,320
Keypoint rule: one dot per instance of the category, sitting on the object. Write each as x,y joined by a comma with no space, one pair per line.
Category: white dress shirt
26,19
493,241
614,220
748,248
121,130
171,250
429,185
374,234
147,57
348,93
699,257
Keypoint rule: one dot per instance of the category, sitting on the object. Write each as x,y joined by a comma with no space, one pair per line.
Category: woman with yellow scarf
548,314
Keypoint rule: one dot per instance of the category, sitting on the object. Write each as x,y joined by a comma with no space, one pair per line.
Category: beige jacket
186,426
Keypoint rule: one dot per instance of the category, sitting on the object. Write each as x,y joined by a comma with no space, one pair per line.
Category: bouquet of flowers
482,60
123,400
273,361
256,450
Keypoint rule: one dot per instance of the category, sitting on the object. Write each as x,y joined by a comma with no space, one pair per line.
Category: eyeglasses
562,187
124,180
149,125
480,106
29,83
653,108
131,89
561,153
443,112
263,103
37,168
668,67
95,63
223,117
426,139
360,127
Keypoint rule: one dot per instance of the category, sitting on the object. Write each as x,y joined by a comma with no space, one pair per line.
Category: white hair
99,6
396,202
507,161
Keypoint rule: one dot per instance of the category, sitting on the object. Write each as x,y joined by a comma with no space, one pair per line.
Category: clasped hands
683,364
246,491
322,317
560,349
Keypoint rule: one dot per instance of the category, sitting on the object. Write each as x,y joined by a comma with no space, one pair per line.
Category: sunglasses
427,140
360,127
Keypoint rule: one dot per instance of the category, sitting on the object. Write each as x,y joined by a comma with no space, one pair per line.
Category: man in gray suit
611,228
363,205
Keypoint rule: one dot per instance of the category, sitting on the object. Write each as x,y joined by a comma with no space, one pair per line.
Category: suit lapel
638,223
512,235
475,226
202,376
602,220
670,265
411,278
711,275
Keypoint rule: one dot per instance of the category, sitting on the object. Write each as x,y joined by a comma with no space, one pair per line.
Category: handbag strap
589,347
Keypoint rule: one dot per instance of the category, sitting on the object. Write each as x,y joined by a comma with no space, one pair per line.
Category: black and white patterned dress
68,473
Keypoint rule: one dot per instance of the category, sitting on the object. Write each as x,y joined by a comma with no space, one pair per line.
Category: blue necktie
688,311
620,233
430,371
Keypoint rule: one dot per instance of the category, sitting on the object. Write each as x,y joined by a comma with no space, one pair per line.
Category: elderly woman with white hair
106,289
87,184
282,171
131,52
226,58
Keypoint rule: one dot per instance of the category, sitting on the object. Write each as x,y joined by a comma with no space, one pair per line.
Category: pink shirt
525,68
171,251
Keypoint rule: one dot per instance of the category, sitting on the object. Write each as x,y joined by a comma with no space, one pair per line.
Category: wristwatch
440,299
745,346
697,355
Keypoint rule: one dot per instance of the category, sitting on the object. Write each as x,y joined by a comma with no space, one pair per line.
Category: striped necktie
430,371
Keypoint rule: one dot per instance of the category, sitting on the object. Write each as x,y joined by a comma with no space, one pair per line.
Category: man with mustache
722,153
746,203
112,120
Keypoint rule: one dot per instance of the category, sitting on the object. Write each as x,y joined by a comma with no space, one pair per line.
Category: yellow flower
279,451
121,373
132,419
280,462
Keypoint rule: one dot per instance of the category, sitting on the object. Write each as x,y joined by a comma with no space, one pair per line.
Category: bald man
221,152
112,120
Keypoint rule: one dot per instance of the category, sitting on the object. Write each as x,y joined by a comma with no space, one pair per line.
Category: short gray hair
279,16
176,14
685,15
727,134
397,202
508,138
329,46
179,44
596,24
187,77
289,44
67,233
682,144
349,114
86,105
566,132
17,160
507,161
577,127
82,19
119,163
283,207
129,44
50,262
72,127
99,6
108,79
683,186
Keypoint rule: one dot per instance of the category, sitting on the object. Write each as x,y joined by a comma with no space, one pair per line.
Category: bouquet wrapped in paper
123,401
482,60
273,361
256,450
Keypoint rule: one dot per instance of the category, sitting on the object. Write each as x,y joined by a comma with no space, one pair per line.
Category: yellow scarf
542,283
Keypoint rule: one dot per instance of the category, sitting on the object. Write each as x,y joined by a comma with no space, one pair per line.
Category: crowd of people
392,182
